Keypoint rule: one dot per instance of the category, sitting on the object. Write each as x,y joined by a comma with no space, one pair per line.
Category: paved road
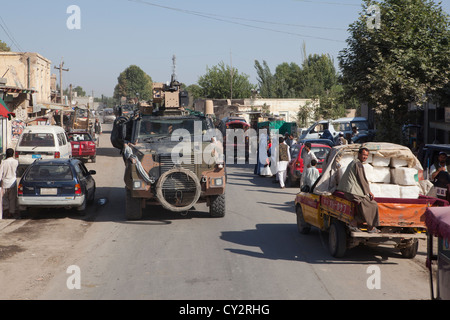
254,252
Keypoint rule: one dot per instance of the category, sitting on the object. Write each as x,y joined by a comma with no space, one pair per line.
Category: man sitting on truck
356,188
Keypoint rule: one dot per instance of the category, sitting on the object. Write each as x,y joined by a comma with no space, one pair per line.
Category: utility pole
60,68
231,76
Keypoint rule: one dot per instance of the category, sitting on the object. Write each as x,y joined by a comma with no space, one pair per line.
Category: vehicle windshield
347,126
37,140
60,172
155,126
237,125
360,125
320,152
79,137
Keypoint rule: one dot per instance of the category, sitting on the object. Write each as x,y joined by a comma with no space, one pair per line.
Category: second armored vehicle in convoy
170,156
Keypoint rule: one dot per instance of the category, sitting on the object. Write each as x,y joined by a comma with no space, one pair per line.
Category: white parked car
343,125
108,115
41,142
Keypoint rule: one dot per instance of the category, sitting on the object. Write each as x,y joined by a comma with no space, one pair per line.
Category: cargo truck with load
395,177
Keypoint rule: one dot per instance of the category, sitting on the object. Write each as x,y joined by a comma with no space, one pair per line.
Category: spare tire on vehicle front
178,189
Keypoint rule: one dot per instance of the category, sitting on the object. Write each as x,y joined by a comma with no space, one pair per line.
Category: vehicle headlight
216,182
137,184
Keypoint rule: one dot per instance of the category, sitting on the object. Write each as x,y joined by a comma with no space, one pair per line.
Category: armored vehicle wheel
217,206
133,210
337,239
302,226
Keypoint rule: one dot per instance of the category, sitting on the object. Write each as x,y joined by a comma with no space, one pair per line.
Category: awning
9,89
52,106
4,111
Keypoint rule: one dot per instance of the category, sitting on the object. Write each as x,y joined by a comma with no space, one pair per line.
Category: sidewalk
6,222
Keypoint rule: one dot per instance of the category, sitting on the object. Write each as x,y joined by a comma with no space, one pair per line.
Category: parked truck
396,184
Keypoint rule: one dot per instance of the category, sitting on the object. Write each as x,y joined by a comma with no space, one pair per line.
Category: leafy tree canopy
133,82
222,82
405,60
402,61
4,47
78,89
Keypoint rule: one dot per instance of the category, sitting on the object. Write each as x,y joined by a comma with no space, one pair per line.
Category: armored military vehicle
170,156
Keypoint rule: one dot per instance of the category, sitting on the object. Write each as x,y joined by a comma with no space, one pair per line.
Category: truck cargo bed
392,211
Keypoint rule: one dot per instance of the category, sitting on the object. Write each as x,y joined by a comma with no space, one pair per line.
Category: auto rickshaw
437,220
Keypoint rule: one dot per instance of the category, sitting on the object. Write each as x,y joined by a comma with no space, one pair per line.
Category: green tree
287,79
133,81
405,60
333,103
318,75
266,81
283,84
79,90
220,80
4,47
195,91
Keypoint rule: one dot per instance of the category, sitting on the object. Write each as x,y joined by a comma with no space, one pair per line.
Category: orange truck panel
402,214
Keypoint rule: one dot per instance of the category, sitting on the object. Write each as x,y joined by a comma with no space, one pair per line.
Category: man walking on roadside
284,156
98,131
8,170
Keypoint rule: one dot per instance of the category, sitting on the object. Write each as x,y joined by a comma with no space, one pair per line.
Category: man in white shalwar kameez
263,158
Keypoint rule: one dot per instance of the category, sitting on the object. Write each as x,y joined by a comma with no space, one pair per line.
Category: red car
83,146
295,167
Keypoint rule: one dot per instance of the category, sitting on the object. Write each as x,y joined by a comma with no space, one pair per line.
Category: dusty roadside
32,251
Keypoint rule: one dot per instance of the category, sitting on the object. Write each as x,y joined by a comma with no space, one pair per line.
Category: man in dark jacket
284,156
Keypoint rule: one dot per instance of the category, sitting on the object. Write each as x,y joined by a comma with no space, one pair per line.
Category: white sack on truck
409,192
388,190
381,174
328,181
379,161
368,170
395,163
404,176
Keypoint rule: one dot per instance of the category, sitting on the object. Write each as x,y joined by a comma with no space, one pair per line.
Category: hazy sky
115,34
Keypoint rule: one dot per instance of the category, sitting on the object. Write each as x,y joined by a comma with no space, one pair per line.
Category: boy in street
311,175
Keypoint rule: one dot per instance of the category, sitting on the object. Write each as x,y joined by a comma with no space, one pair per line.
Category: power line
7,32
221,18
331,3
